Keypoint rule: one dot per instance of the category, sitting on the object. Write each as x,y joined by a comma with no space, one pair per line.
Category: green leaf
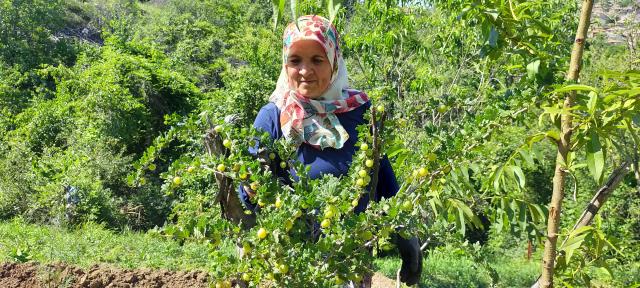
461,221
535,216
593,101
573,243
526,156
294,11
579,231
575,87
496,178
595,157
535,138
536,210
465,173
435,203
533,68
278,11
520,175
493,13
333,9
553,134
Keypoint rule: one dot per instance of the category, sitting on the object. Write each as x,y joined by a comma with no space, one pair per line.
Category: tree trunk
564,145
597,202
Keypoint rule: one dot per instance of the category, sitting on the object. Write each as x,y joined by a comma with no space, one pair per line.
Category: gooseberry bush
306,233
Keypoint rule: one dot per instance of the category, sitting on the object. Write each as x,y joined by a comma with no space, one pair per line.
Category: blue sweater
328,161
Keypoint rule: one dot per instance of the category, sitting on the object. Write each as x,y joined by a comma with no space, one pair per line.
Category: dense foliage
104,104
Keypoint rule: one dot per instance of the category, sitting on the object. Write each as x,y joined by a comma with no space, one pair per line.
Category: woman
314,107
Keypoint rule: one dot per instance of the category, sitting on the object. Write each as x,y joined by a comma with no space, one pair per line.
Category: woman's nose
305,70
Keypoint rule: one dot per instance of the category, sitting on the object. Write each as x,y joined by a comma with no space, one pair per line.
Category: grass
92,243
448,267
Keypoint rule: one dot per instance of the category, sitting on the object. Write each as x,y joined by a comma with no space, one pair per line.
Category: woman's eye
318,61
294,61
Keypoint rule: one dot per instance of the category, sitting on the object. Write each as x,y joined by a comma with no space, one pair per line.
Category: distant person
313,106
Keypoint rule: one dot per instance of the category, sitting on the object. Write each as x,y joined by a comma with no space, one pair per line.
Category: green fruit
246,277
380,108
364,147
218,128
221,167
236,167
278,203
226,143
288,224
190,169
283,268
272,155
152,167
262,233
354,203
362,173
330,211
365,235
360,182
325,223
244,176
368,163
423,172
246,248
407,205
177,180
443,108
283,164
355,277
328,214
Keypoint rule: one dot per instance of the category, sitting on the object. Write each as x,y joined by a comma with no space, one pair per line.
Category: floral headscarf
310,121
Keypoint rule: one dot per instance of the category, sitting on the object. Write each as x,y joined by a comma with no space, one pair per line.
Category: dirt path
381,281
33,274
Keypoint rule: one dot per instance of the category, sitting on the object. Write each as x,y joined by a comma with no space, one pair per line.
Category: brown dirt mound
32,274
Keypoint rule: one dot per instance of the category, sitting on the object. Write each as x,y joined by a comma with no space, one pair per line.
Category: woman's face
308,68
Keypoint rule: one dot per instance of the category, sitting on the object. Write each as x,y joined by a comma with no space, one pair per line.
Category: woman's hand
249,191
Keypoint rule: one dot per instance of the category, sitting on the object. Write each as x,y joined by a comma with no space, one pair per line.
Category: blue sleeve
268,120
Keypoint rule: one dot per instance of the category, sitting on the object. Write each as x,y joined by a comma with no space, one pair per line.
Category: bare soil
33,274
